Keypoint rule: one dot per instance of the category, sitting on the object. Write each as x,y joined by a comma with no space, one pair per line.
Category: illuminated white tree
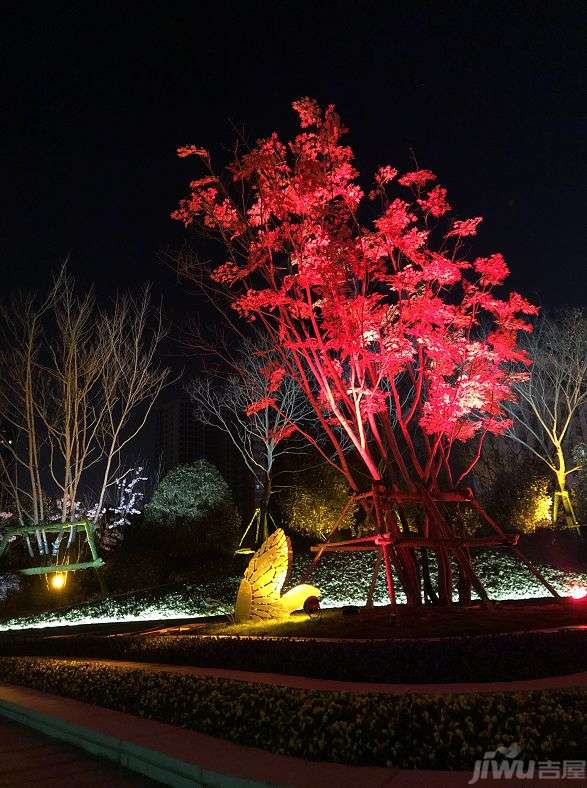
234,399
551,398
77,383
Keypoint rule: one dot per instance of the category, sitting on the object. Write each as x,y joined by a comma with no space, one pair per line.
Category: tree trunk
264,508
402,559
429,592
562,494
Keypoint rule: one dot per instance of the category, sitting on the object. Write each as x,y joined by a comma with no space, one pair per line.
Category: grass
380,622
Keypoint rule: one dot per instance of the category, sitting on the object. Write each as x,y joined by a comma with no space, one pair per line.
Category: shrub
409,730
314,503
9,584
532,507
520,498
194,505
497,657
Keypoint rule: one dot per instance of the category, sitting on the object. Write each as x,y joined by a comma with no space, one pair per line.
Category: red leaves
227,273
497,426
396,218
308,110
472,403
262,404
385,175
255,301
363,309
417,178
464,227
282,433
442,270
493,269
274,373
192,150
215,210
435,202
373,401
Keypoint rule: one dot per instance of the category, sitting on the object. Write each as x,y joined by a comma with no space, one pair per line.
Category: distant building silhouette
182,439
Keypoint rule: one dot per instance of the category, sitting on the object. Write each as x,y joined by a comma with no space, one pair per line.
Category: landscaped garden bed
406,731
497,657
342,579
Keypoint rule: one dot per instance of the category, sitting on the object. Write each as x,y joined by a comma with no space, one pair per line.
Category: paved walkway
303,682
29,758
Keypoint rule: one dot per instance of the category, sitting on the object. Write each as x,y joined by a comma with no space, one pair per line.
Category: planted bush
312,505
406,731
502,657
193,507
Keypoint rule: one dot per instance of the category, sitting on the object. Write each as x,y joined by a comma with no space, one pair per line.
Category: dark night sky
98,95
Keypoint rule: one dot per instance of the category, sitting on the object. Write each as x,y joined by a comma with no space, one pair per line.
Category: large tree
377,315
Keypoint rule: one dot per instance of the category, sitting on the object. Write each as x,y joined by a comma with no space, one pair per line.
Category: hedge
406,731
502,657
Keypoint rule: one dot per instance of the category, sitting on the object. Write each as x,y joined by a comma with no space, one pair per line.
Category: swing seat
57,568
81,527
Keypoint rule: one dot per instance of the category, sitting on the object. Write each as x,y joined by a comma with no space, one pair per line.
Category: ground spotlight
58,581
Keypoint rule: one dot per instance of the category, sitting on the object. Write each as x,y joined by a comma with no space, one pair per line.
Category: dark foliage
451,731
479,658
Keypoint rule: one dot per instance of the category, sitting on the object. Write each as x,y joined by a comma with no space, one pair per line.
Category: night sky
97,96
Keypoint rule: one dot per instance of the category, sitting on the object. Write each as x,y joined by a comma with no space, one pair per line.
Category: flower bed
343,580
189,601
406,731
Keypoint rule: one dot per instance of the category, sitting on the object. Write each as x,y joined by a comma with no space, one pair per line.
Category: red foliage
403,345
262,404
465,227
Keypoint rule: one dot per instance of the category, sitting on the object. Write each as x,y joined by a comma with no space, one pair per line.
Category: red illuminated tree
397,339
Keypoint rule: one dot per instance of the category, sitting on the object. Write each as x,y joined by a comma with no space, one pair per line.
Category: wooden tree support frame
81,527
390,542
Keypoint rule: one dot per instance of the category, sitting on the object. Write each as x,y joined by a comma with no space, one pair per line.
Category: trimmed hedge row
482,658
406,731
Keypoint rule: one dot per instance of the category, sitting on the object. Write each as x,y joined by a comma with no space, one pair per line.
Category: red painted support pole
384,545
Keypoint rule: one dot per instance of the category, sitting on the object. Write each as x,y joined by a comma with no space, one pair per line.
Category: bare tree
551,398
21,338
77,385
227,399
72,407
131,381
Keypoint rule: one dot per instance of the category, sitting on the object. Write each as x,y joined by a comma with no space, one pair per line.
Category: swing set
260,526
54,552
